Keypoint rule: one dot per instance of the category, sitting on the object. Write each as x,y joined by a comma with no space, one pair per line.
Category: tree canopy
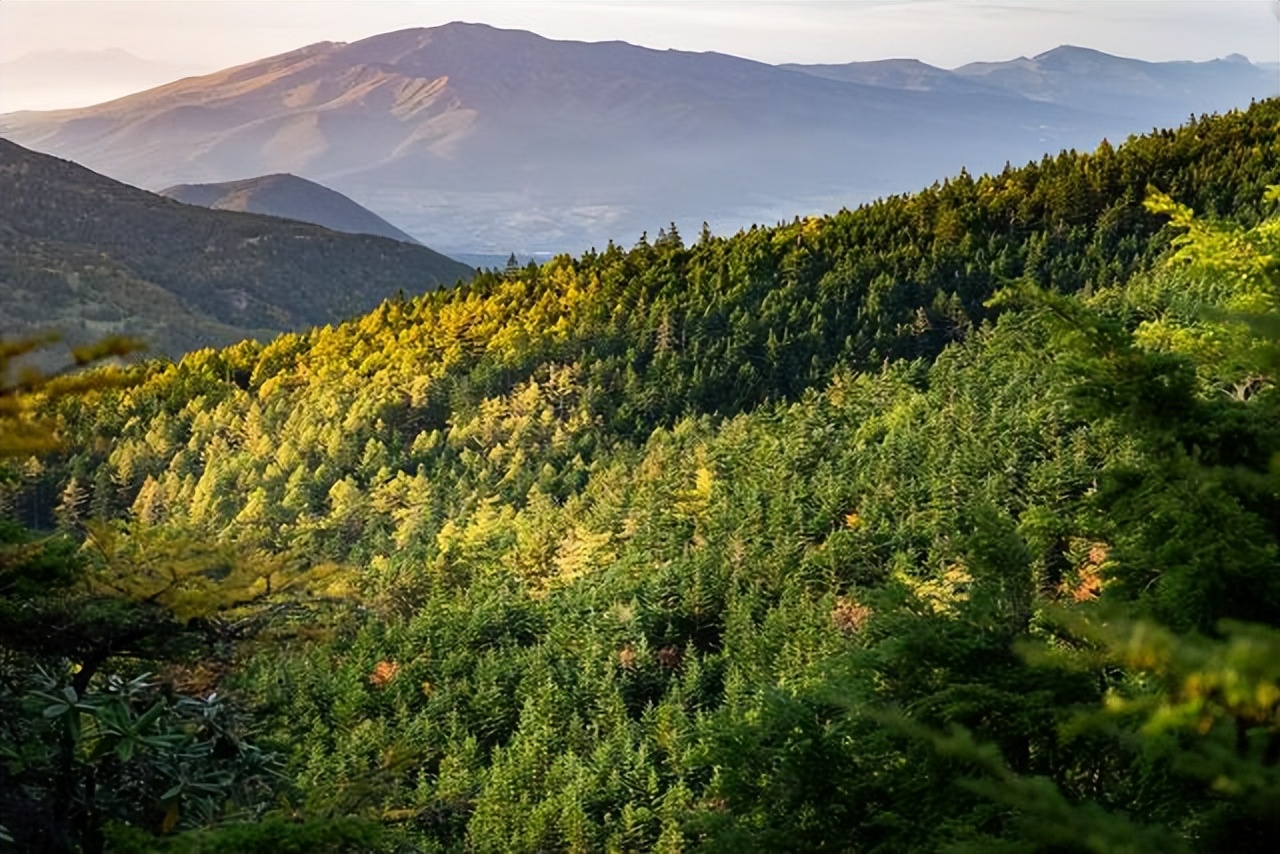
947,523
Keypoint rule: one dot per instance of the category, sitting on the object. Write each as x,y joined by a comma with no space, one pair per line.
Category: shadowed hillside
90,256
289,197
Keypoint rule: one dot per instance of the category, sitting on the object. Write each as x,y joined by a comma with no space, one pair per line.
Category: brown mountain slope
89,255
288,197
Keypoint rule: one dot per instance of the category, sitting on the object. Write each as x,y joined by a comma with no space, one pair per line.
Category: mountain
91,256
909,74
59,79
288,197
486,140
1079,78
1092,80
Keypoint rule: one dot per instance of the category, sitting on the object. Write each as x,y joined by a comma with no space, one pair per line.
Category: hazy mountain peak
60,54
1070,51
51,79
284,195
452,35
901,73
475,27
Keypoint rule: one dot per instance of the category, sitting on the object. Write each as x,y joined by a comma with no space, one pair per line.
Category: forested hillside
947,523
90,256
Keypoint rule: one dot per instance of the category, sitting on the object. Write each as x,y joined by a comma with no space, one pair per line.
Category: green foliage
24,387
270,836
82,740
135,754
1196,548
698,547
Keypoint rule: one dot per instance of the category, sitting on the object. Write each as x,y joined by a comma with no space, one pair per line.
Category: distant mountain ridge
1090,79
1068,75
289,197
486,140
91,256
909,74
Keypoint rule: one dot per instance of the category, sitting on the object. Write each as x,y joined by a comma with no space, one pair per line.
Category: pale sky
219,33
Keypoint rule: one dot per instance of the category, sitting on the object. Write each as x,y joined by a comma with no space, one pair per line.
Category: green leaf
150,717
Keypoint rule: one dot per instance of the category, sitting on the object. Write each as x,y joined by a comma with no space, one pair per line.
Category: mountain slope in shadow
289,197
90,256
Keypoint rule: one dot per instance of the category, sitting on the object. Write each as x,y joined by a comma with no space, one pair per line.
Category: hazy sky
218,33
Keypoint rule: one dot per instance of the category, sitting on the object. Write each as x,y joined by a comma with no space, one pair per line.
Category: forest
949,523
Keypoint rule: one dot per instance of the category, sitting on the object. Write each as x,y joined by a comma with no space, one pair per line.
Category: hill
486,141
90,255
726,546
288,197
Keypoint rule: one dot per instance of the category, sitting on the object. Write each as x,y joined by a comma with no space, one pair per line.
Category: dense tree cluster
948,522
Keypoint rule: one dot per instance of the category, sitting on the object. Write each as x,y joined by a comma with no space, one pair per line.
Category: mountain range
1083,79
289,197
479,139
90,256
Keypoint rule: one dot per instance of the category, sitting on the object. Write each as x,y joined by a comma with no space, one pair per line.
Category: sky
212,34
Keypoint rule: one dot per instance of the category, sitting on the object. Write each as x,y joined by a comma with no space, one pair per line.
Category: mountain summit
289,197
1087,79
50,79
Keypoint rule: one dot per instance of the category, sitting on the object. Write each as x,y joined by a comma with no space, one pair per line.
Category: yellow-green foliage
1218,301
649,547
25,389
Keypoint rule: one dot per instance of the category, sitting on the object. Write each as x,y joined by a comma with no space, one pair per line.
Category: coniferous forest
950,523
